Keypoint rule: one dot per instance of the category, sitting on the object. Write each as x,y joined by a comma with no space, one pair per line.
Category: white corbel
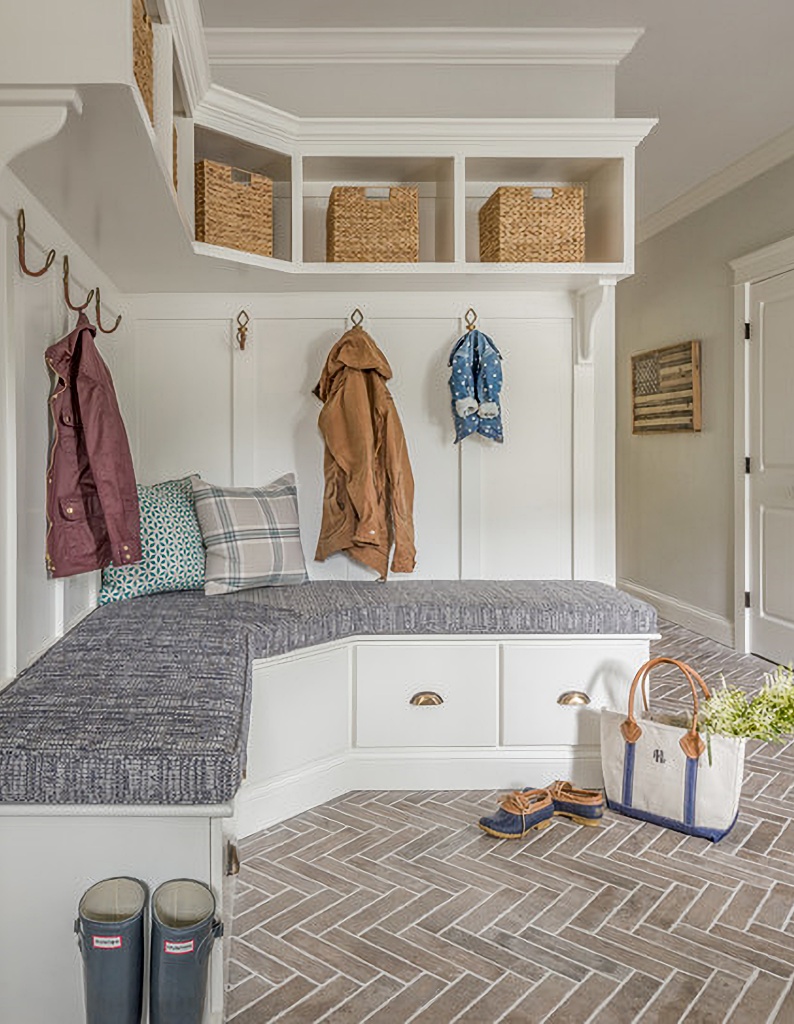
589,304
29,116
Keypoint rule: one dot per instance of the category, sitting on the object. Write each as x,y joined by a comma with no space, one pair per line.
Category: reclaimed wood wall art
666,389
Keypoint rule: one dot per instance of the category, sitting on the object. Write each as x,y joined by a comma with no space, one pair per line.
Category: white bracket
30,116
589,304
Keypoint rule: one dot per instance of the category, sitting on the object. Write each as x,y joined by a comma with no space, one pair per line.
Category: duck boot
584,806
183,931
110,934
519,813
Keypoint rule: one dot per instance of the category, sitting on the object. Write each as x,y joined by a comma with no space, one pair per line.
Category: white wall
198,404
33,315
675,491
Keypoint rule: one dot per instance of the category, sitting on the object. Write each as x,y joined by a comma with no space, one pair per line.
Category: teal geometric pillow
173,552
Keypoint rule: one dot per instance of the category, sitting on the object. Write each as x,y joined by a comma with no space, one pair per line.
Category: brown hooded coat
369,486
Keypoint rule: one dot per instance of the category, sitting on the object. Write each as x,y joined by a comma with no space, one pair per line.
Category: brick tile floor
391,907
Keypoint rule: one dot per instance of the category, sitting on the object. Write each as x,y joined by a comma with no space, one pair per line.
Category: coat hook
21,247
77,309
356,317
243,320
105,330
471,319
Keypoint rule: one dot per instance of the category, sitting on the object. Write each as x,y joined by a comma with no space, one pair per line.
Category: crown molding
464,46
232,113
184,17
762,159
767,262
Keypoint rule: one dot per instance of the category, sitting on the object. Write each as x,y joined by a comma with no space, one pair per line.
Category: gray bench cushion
147,701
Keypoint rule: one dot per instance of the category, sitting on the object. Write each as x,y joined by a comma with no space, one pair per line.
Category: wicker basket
521,224
369,225
234,208
142,54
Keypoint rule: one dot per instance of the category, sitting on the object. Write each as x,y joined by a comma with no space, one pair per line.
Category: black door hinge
747,332
747,463
747,599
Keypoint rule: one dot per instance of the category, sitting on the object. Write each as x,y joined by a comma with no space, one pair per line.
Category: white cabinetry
339,717
535,675
390,677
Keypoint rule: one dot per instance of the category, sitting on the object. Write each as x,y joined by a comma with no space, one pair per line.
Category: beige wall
675,491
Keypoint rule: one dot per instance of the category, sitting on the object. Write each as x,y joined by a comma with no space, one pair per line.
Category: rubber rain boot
183,931
110,934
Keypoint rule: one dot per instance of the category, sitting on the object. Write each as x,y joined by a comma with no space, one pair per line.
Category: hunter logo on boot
179,947
106,941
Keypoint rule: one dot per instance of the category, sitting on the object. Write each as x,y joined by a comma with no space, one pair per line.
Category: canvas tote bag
662,773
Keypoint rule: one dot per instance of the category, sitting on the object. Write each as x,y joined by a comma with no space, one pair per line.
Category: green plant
766,715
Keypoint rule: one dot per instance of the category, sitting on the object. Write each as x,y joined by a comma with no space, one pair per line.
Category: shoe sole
516,835
591,822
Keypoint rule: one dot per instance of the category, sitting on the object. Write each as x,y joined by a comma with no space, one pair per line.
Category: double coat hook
21,249
105,330
77,309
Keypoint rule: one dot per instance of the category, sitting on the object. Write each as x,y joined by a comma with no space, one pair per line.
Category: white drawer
535,676
465,677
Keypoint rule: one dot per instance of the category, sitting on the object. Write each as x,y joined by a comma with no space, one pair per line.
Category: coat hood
355,350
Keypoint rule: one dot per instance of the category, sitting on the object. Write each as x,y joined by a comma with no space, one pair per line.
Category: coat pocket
79,508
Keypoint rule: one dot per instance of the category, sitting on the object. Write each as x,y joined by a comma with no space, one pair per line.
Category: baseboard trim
715,627
260,805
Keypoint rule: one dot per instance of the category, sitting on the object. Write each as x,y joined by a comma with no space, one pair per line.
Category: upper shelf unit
109,177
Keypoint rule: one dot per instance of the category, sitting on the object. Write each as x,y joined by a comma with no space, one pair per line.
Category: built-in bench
123,749
147,701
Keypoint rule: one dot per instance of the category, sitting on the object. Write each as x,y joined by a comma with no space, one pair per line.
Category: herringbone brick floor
392,907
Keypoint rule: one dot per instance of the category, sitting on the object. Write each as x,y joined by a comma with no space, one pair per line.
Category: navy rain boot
110,927
183,931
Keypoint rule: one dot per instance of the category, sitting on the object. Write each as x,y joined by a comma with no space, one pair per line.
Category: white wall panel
183,398
247,417
36,610
526,511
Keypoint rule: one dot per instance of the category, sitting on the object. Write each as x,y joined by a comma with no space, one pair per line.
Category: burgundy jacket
92,503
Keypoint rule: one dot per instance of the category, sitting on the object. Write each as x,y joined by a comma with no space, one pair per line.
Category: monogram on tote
663,773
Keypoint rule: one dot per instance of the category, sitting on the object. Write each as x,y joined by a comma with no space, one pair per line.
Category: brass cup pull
573,698
426,699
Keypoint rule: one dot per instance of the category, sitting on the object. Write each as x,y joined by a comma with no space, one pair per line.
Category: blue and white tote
663,773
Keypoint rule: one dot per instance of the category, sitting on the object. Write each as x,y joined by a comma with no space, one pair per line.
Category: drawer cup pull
426,699
573,698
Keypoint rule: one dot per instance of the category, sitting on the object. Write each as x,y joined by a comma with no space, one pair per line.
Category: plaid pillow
251,535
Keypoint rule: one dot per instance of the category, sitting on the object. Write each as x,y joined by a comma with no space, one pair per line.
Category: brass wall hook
356,317
77,309
471,319
243,319
21,249
105,330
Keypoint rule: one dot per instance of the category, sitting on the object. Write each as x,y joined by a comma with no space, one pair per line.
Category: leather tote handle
691,743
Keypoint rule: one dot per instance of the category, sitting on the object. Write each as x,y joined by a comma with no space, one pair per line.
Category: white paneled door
771,491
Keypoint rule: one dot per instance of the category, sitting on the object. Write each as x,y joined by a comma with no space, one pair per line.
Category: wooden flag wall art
666,389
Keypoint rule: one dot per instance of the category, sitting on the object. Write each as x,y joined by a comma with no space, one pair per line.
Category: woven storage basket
234,208
521,224
362,227
142,54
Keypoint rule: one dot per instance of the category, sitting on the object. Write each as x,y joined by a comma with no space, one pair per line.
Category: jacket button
125,547
69,510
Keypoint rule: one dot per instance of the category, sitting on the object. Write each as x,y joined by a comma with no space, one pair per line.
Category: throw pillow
251,534
173,554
